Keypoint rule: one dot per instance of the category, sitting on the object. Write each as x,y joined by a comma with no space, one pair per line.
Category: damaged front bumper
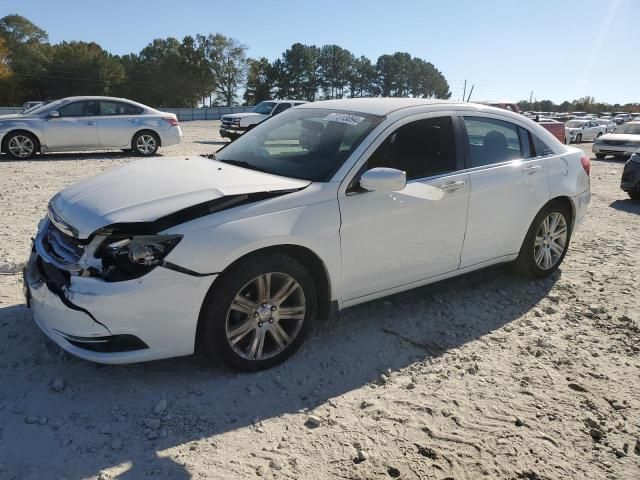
148,318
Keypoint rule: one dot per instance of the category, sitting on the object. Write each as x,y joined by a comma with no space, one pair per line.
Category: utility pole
531,97
470,92
464,91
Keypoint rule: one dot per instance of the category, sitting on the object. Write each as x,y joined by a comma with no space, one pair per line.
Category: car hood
12,115
149,189
245,115
625,137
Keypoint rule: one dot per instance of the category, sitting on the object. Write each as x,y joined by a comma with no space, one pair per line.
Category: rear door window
492,141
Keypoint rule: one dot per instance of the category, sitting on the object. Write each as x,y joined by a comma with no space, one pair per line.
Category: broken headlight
125,257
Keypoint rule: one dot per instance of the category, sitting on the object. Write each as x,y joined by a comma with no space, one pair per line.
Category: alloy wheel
550,241
146,144
265,316
20,146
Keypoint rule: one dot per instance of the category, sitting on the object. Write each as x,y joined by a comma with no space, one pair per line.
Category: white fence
183,114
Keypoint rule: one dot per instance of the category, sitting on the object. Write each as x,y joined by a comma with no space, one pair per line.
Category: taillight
171,121
586,164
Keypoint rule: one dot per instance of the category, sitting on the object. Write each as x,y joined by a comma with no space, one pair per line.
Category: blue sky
559,49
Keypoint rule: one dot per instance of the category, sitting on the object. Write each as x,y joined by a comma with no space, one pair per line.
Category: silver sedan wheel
146,144
266,316
21,146
550,241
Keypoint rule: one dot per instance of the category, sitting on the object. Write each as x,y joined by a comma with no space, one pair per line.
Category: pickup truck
235,124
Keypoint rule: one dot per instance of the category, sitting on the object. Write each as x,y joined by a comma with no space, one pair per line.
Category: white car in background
622,143
88,123
326,206
609,124
235,124
622,118
580,130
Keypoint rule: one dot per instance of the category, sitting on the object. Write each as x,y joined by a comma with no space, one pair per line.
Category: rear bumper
173,136
149,318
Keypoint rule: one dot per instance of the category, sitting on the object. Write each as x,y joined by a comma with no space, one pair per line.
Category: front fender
32,126
212,248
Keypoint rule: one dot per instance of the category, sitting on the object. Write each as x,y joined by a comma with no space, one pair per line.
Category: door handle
90,123
451,186
531,169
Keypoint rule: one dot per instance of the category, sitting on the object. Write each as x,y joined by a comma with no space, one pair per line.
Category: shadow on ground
97,422
627,205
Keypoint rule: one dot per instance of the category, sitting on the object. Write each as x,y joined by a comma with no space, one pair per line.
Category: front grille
62,248
616,142
226,122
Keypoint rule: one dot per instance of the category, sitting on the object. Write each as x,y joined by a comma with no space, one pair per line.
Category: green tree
297,73
5,70
259,81
81,68
228,62
363,78
335,64
16,29
427,81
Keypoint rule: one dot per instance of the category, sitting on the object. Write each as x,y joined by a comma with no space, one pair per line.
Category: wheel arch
567,202
307,257
147,130
6,136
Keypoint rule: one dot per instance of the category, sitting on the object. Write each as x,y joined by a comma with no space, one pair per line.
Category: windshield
309,144
264,108
629,128
45,107
575,124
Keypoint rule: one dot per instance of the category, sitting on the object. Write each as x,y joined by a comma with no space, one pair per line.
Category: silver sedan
88,123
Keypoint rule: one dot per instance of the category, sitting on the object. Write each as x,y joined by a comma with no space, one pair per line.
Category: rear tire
21,145
546,242
579,138
145,143
243,320
600,156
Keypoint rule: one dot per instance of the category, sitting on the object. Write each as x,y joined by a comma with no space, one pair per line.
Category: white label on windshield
345,118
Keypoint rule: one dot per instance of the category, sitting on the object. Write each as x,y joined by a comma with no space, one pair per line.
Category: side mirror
54,114
384,180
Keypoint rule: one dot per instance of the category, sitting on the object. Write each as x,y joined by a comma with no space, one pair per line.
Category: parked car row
88,123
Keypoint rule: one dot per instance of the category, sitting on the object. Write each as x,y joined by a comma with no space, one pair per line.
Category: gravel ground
484,376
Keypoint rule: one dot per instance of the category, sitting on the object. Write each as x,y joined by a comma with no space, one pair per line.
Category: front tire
21,145
258,313
547,241
634,195
145,143
600,156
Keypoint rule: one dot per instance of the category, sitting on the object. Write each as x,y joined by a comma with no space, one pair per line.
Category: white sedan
325,206
580,130
88,123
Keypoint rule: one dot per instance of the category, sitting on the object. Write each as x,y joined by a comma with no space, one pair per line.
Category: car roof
382,106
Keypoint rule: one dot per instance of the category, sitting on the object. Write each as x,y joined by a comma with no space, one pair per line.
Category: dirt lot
485,376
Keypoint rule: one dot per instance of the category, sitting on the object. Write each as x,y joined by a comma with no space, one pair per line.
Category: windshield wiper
243,164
